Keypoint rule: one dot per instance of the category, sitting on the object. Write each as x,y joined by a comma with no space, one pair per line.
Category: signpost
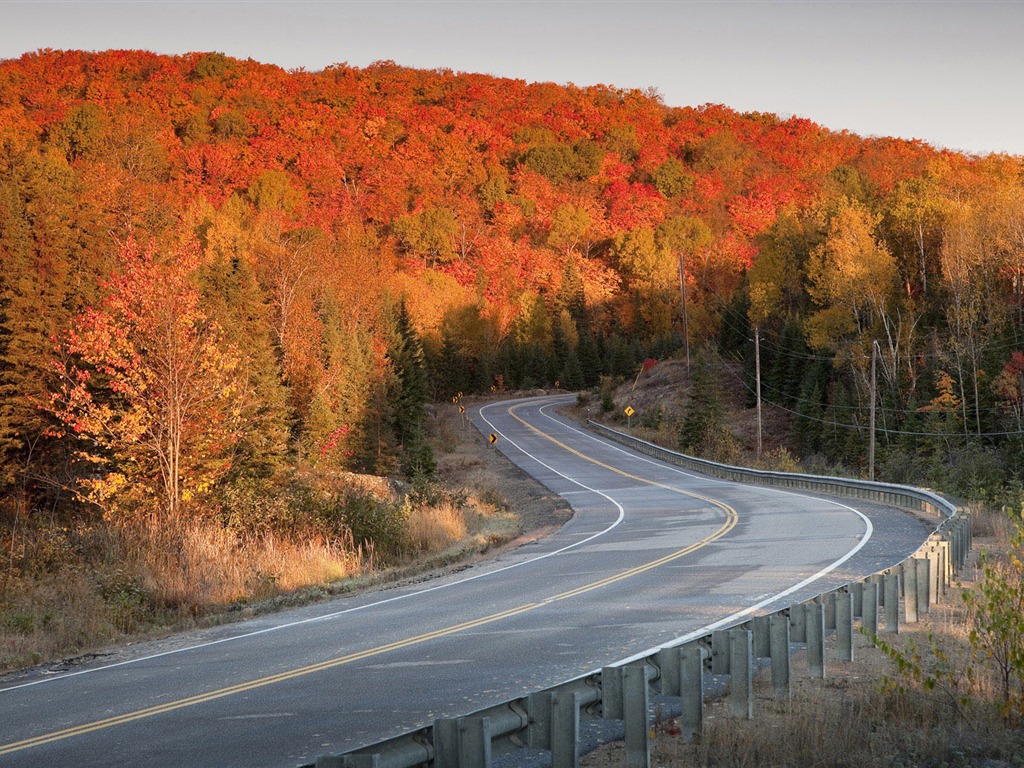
628,410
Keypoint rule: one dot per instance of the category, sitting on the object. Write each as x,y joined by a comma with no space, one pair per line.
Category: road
652,554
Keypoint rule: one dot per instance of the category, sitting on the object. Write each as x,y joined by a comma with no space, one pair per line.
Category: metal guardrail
885,493
550,719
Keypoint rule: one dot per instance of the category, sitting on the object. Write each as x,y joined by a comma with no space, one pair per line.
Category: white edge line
869,530
336,614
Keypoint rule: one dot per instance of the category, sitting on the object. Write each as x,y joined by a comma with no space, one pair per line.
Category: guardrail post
857,590
947,547
778,642
844,624
474,742
892,601
815,640
464,742
635,706
360,761
668,663
923,567
445,736
611,693
539,711
691,688
909,590
956,534
347,761
761,641
720,652
565,730
741,673
869,608
878,580
828,602
934,558
946,555
798,623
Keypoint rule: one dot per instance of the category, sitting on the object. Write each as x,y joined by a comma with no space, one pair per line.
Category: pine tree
233,298
701,416
589,359
416,458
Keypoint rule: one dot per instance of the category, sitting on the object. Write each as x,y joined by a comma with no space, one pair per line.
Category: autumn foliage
217,272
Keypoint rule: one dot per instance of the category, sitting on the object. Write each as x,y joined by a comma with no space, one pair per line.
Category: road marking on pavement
731,516
110,722
231,690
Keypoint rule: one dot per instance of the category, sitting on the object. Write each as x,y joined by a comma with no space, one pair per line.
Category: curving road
652,554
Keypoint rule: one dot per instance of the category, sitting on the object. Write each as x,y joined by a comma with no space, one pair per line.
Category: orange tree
148,386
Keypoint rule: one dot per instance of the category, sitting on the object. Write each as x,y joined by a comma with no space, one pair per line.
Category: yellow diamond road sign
629,410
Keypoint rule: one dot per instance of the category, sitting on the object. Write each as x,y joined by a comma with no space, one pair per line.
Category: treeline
217,273
926,277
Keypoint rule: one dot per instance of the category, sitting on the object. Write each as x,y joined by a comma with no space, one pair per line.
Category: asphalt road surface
652,554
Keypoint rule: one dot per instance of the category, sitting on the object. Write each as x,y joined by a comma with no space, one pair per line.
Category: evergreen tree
233,298
701,416
416,458
589,359
571,297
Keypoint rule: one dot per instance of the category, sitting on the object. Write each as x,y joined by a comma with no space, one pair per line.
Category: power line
863,428
824,358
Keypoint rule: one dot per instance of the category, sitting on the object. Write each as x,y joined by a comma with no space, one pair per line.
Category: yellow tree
851,278
148,385
975,307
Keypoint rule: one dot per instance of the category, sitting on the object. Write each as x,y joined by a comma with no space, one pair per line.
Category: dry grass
866,714
436,527
196,563
68,590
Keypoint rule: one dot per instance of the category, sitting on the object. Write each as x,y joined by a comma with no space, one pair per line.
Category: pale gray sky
950,73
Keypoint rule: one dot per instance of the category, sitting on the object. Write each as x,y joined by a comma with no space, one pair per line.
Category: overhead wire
831,422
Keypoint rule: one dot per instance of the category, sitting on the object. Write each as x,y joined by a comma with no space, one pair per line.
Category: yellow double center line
140,714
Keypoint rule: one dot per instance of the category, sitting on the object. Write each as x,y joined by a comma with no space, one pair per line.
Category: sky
949,73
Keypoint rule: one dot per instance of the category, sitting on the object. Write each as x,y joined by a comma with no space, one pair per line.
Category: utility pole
757,370
871,428
686,329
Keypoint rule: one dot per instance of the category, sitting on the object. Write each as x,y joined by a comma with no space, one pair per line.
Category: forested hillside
217,273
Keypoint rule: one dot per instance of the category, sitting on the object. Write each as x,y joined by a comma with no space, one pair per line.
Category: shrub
997,634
